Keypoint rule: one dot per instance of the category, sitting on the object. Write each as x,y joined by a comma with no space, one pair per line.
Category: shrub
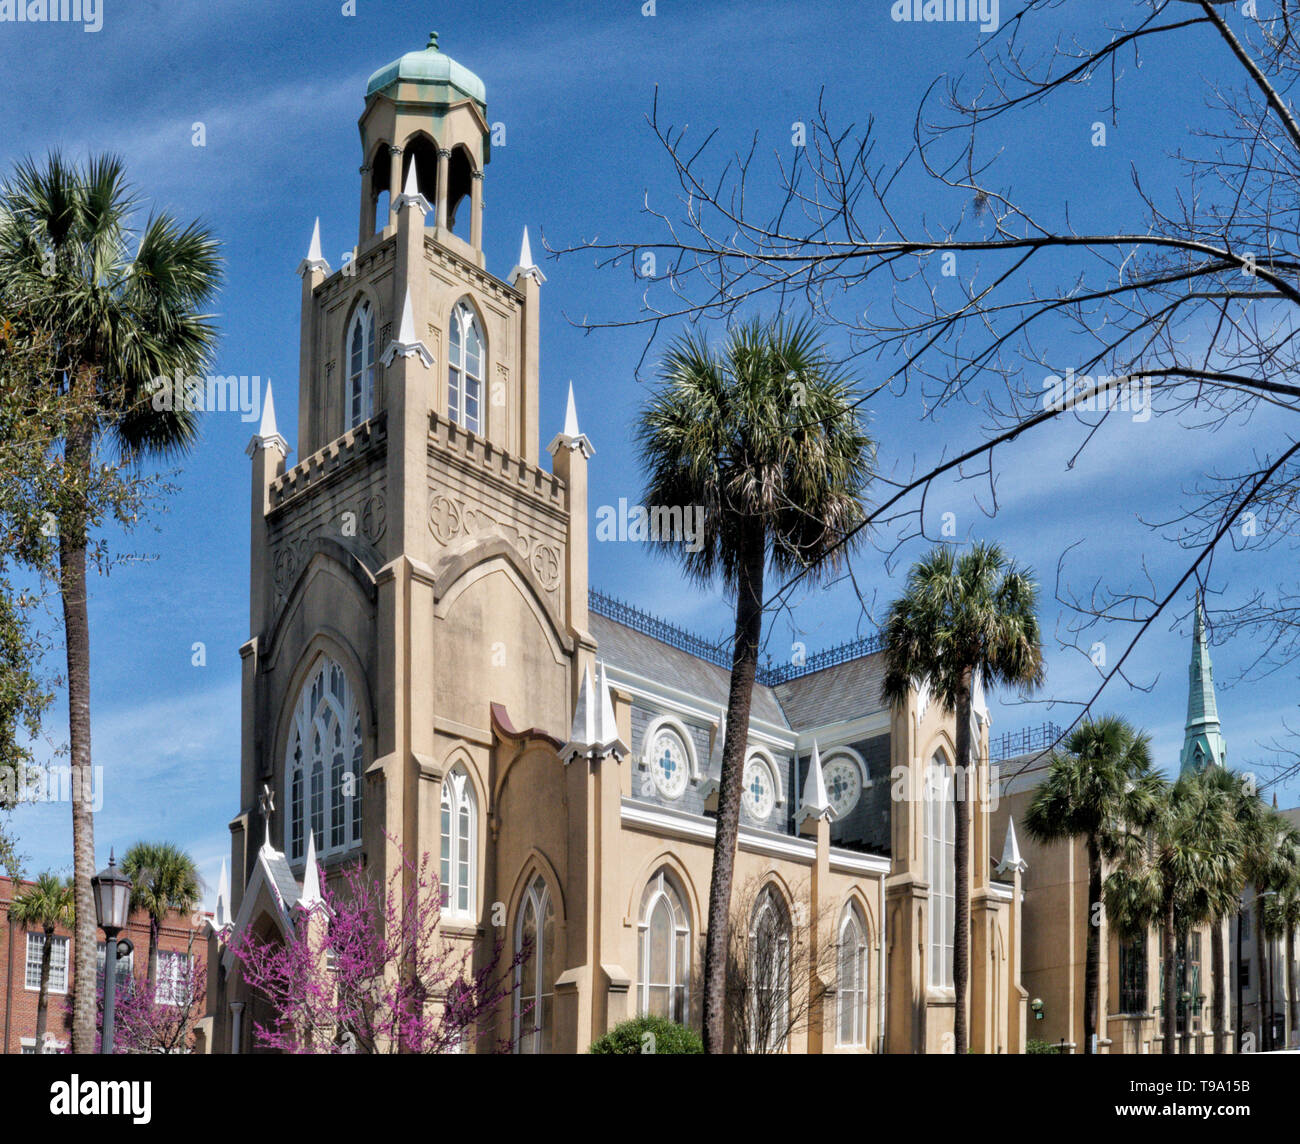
1050,1047
648,1035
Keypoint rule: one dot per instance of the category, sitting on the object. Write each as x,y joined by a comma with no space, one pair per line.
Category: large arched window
940,857
851,977
459,855
769,972
465,369
361,366
536,974
664,951
323,764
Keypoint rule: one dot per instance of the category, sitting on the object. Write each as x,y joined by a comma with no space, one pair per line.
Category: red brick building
20,966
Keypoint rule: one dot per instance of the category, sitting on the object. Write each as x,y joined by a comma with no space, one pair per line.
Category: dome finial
433,42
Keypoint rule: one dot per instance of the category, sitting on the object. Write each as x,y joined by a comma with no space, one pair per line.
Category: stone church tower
418,582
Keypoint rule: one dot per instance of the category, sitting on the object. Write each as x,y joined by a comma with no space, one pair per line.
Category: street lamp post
112,891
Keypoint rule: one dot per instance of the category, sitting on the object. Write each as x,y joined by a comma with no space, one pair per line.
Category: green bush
1032,1046
648,1035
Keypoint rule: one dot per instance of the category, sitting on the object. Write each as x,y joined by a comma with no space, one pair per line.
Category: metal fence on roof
719,654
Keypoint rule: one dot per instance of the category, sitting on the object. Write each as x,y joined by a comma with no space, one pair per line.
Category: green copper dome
429,67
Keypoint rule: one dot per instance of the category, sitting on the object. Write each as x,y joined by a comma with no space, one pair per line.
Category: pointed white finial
221,912
815,802
607,729
572,438
410,196
1011,861
311,895
268,435
594,734
314,260
571,417
527,268
407,344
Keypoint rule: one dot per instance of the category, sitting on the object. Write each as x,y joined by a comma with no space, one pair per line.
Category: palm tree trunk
1290,987
152,969
744,665
962,791
1265,1024
1092,948
1236,1048
43,998
1170,969
1218,963
76,626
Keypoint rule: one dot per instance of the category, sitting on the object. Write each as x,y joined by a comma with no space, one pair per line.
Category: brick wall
18,1003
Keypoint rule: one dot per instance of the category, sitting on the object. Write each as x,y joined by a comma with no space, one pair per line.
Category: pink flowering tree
158,1017
366,970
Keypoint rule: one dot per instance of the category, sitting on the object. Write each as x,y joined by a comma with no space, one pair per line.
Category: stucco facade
425,648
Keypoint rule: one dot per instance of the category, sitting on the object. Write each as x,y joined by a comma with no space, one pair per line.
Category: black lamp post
112,890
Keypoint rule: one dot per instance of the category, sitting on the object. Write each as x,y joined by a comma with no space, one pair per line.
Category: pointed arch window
323,763
361,366
458,864
664,951
535,1017
769,970
940,860
851,977
465,369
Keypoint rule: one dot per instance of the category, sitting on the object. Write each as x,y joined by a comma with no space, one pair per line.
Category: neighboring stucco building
427,664
1056,915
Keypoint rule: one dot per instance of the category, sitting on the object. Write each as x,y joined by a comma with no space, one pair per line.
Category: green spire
1203,743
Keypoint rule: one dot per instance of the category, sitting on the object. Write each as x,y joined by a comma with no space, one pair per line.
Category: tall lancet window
323,765
940,831
459,844
465,371
535,930
361,366
664,956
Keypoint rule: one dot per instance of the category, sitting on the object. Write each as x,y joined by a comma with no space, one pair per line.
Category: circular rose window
843,785
760,789
668,763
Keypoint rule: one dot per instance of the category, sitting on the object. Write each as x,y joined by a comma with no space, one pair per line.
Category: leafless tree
1183,306
778,969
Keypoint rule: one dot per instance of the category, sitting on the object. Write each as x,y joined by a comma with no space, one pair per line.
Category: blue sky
278,87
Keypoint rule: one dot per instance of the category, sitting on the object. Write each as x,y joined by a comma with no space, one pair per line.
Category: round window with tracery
668,763
843,785
760,789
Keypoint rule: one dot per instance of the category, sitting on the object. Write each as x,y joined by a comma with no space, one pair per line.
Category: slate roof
624,647
843,691
285,882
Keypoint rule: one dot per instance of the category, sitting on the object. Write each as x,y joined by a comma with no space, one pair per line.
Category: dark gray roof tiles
635,651
844,691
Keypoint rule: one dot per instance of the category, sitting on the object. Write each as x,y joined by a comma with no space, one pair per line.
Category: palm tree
45,906
1271,859
121,320
958,618
163,879
1100,788
765,437
1191,854
1247,810
1283,916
